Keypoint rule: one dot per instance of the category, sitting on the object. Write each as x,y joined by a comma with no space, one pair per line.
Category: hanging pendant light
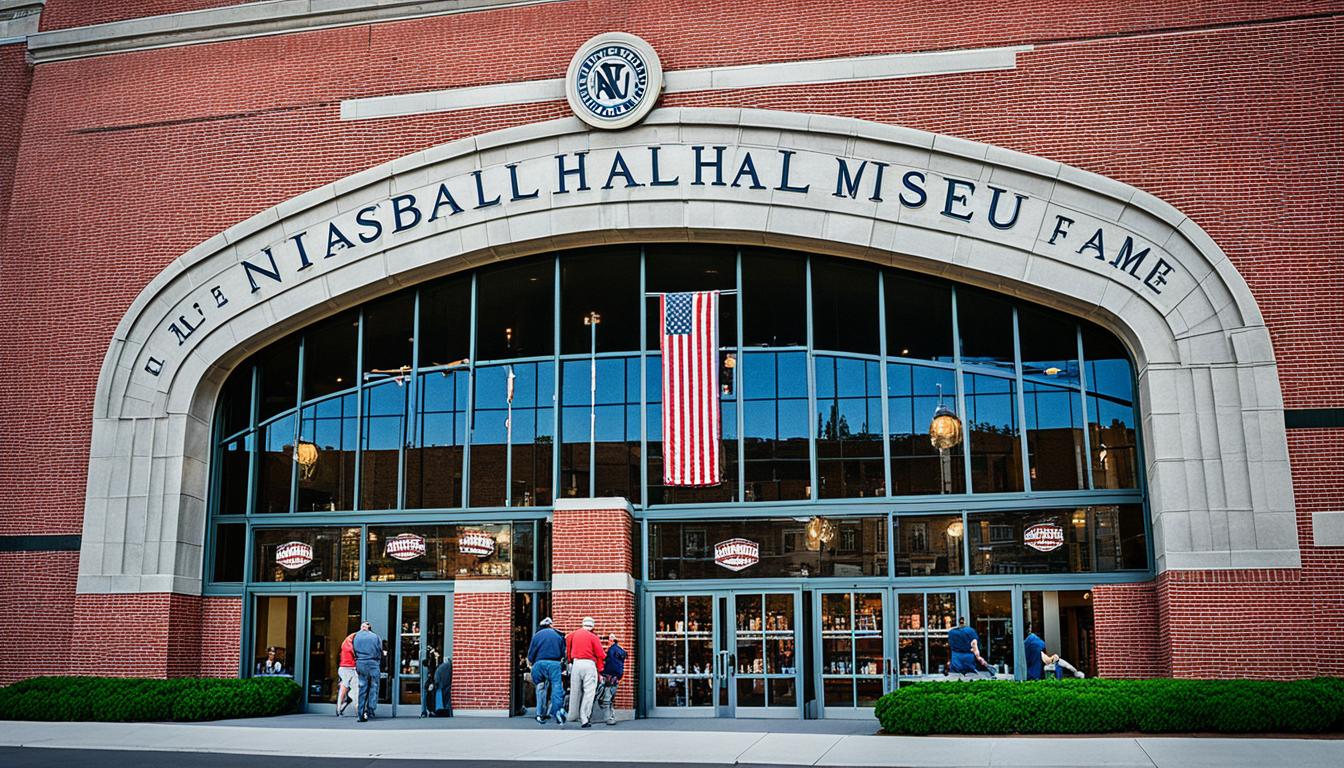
820,531
945,429
305,455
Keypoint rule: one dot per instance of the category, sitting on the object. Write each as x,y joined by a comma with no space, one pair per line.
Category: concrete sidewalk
773,743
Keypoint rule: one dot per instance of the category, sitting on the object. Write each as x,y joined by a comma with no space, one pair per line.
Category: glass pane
868,691
235,461
329,354
434,452
1113,441
919,318
942,610
940,653
868,655
276,466
384,416
514,310
835,608
929,545
439,552
685,549
606,281
776,426
838,692
868,614
669,692
849,428
774,299
702,692
1121,539
278,369
1046,541
1049,345
230,544
844,306
445,321
783,693
910,609
991,421
780,658
1054,423
912,398
235,401
274,625
837,655
985,321
326,460
331,619
992,619
409,637
305,554
910,658
388,339
750,691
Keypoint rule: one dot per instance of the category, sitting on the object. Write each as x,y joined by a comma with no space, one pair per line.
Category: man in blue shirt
368,648
1037,658
965,646
545,654
613,669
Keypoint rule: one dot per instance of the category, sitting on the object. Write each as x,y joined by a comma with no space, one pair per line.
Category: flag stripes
691,427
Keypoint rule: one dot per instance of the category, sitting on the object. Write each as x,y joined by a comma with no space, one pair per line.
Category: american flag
691,429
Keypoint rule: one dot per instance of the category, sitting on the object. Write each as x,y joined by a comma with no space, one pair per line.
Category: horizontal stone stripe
40,543
234,22
576,582
481,586
809,71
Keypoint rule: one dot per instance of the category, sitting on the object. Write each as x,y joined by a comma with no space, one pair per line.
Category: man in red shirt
585,651
346,673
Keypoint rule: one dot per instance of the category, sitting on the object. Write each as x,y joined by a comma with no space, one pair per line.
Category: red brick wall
1126,622
482,650
147,635
36,592
60,14
14,79
220,636
594,543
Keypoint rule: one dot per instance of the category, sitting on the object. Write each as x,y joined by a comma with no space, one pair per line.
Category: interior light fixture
945,429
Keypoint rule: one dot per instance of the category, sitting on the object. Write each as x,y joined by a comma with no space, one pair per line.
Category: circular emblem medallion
613,80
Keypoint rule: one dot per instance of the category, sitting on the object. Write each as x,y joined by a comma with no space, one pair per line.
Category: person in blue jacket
613,669
546,654
1034,648
964,643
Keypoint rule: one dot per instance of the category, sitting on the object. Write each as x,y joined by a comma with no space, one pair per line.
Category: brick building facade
149,149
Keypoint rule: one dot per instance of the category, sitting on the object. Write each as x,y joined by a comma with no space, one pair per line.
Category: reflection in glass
849,428
916,466
991,426
512,435
384,418
683,650
851,648
991,615
929,545
305,554
1054,422
275,468
776,426
434,452
439,552
684,549
765,658
445,322
615,427
326,461
235,464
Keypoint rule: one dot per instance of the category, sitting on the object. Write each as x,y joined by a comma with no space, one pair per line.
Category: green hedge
133,699
1109,706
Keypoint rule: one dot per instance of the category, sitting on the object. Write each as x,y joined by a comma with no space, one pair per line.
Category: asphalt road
37,757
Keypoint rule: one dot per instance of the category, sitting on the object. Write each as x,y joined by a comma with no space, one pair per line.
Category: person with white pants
585,652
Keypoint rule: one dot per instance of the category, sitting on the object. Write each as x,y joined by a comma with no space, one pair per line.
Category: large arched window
493,389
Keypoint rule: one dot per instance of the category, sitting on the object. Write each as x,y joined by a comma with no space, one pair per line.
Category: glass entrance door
851,642
764,665
687,659
331,618
922,622
419,639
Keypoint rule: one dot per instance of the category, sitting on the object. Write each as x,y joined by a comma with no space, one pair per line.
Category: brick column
482,647
591,575
1129,633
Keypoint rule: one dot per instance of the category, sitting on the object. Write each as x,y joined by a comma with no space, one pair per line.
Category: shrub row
1108,706
129,699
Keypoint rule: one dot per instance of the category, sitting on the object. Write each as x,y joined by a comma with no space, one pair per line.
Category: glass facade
424,437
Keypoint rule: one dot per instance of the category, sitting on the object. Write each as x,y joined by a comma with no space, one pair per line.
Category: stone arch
1211,407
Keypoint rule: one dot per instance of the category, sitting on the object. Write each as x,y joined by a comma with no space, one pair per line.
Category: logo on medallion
1044,537
405,546
613,80
736,554
478,543
293,555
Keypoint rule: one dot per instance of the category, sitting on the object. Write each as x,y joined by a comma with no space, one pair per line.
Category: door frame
887,636
735,710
